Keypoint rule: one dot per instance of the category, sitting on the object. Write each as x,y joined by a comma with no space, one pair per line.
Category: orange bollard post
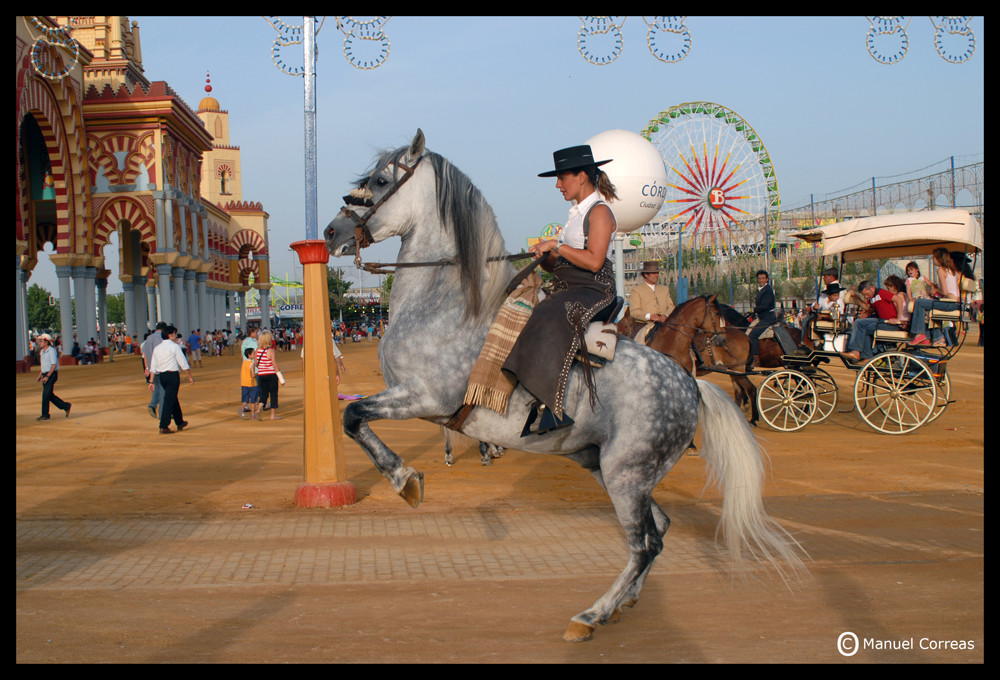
325,484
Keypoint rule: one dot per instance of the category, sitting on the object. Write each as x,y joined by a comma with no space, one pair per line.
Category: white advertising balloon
638,173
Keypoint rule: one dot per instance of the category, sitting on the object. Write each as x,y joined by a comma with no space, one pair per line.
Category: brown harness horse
720,348
732,351
674,337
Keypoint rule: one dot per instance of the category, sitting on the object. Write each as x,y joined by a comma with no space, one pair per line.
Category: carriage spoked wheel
826,393
943,395
895,393
787,400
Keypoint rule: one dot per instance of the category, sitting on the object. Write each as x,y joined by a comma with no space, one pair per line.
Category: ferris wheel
721,190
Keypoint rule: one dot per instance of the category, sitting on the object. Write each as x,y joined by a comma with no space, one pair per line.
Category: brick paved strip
292,548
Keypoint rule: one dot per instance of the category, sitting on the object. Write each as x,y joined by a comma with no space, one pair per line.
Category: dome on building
209,104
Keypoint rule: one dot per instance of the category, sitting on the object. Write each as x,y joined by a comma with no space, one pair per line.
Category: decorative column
166,299
153,316
21,337
204,308
194,314
326,484
128,287
231,298
102,312
265,306
241,303
180,307
89,313
63,273
139,306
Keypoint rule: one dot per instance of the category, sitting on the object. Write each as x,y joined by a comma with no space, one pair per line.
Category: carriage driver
650,302
763,309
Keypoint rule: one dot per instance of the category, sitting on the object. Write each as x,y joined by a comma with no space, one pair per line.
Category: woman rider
584,285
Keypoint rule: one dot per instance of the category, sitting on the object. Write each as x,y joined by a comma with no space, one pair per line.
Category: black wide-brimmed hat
833,288
573,158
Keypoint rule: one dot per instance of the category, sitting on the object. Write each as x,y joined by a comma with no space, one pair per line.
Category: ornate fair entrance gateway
105,154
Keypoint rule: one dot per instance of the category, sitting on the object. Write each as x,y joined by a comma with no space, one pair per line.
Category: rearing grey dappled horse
647,407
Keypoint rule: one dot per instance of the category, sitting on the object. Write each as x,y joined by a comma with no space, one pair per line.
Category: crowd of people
167,353
899,304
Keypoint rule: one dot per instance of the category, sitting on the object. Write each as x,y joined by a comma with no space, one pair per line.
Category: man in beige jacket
649,301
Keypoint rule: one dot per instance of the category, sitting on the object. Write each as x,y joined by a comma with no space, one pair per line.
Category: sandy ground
894,526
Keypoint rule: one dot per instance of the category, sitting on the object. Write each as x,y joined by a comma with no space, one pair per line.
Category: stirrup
546,423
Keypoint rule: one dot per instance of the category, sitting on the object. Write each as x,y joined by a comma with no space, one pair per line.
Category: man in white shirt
167,363
146,348
48,375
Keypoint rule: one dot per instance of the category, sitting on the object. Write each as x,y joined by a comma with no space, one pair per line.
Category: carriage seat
936,317
891,335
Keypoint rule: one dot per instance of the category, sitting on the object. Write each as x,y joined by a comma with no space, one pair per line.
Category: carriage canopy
898,235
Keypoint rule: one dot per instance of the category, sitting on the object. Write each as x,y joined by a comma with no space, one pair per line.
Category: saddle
601,340
601,337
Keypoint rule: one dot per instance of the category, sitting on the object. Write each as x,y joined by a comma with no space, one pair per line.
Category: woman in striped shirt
267,372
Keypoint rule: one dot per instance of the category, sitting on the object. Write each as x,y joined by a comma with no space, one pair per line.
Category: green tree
387,290
337,287
116,308
42,315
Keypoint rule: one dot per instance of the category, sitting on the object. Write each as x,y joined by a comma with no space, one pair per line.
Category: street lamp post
325,482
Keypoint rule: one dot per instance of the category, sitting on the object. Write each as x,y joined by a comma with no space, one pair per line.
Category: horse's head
440,215
369,215
712,322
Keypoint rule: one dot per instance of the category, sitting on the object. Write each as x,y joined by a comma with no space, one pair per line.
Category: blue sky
497,95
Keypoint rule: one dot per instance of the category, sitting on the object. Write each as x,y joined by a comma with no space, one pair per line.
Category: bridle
363,197
699,328
718,329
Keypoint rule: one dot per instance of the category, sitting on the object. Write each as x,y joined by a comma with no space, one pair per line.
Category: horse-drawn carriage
903,386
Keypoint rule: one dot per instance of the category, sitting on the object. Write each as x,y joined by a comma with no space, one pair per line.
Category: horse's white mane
466,215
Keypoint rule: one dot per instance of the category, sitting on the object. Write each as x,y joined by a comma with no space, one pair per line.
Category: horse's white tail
736,465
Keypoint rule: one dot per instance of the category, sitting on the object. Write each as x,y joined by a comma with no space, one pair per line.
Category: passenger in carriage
917,285
823,305
947,296
830,302
885,311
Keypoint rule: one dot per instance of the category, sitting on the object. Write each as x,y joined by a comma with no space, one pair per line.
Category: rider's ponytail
602,182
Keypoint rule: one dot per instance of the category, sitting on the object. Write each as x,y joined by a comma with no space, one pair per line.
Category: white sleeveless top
572,232
951,285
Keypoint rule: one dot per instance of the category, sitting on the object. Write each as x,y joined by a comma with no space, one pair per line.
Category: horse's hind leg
589,459
449,460
644,543
484,453
644,523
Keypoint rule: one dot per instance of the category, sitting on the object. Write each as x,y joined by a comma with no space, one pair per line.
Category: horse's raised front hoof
413,490
578,632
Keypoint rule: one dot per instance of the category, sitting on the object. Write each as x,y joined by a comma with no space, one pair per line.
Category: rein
697,329
363,237
379,267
